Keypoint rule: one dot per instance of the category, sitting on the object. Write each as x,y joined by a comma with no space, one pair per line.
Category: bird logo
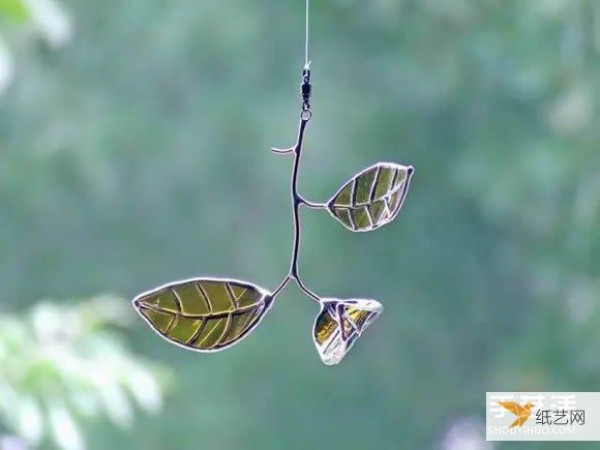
522,412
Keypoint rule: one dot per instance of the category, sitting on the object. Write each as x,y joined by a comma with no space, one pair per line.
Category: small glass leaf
339,324
371,198
204,314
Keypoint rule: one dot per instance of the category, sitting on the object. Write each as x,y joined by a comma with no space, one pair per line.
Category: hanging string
307,34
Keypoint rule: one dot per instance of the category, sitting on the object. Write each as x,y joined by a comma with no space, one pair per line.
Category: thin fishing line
307,35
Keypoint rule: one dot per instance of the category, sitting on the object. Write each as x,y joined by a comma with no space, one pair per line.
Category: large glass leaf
339,324
204,314
371,198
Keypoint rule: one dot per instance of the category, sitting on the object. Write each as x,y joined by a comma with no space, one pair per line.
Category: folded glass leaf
339,324
204,314
371,198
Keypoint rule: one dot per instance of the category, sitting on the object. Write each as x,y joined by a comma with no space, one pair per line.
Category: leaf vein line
374,185
228,323
177,300
210,333
354,192
351,217
394,179
371,221
204,296
191,342
240,311
174,322
232,297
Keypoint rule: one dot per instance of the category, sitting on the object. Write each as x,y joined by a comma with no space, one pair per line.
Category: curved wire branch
281,286
312,205
297,199
282,151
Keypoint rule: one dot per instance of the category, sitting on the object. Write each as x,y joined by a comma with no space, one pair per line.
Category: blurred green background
133,151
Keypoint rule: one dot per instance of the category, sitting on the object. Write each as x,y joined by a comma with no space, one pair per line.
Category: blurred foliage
13,10
137,155
64,364
23,20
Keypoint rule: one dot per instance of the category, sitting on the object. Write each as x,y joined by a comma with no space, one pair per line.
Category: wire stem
297,201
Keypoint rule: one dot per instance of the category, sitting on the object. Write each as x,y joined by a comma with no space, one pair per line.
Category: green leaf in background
204,314
52,375
371,198
14,10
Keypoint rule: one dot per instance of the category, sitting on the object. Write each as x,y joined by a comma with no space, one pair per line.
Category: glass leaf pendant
372,198
204,314
211,314
339,324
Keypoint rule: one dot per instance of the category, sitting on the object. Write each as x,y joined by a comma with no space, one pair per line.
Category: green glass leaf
204,314
371,198
339,324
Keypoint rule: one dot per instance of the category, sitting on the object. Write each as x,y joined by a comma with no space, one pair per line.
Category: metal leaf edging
204,314
372,198
339,324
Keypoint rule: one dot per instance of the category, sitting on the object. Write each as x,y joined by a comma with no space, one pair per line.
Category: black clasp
306,89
